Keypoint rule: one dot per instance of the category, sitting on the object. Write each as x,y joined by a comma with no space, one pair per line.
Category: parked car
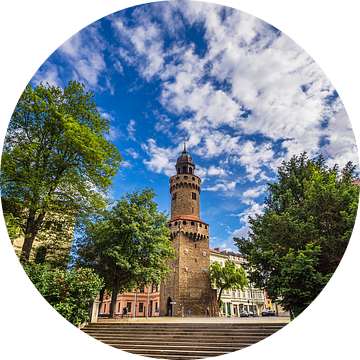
268,313
244,314
250,313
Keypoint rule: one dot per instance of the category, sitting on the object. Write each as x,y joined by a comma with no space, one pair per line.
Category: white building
236,300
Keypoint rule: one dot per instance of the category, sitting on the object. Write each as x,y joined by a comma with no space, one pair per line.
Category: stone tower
188,288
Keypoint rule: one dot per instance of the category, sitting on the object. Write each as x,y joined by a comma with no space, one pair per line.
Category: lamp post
97,268
252,300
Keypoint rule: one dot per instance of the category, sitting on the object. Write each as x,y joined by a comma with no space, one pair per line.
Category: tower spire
185,143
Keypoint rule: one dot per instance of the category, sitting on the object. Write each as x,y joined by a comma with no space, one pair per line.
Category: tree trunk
116,284
32,228
218,300
101,297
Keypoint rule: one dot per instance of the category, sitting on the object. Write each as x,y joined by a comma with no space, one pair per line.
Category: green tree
57,164
13,226
228,277
296,245
68,292
132,242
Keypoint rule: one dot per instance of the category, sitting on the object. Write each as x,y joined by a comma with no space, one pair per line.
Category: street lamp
252,300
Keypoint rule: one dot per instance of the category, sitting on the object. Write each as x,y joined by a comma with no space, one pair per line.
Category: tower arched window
184,170
190,170
178,171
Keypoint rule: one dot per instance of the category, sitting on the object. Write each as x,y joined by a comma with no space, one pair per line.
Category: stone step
165,338
177,333
183,342
158,353
187,325
173,347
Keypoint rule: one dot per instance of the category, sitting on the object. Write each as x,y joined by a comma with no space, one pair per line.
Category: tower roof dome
185,157
185,162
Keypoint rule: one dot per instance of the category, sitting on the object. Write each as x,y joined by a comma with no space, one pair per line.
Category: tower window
178,177
190,170
192,223
185,177
174,196
184,170
194,196
200,225
184,222
193,178
178,171
205,227
175,223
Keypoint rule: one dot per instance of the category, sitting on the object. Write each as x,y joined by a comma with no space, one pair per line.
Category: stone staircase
181,340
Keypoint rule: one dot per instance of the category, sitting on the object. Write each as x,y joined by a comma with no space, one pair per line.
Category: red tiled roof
213,250
187,217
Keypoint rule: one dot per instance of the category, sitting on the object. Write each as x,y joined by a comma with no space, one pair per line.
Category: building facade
187,290
235,301
147,302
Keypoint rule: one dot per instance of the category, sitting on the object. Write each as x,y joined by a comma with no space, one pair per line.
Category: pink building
127,300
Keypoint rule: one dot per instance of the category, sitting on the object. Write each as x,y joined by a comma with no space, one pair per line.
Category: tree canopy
57,164
132,242
295,246
68,292
227,277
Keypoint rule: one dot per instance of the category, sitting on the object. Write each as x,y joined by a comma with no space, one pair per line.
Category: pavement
189,319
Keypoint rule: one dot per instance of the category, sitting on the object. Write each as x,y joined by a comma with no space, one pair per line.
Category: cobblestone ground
188,319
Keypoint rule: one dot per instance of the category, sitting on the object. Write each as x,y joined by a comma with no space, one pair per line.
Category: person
208,312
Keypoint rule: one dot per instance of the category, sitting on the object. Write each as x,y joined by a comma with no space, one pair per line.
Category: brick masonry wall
183,185
189,285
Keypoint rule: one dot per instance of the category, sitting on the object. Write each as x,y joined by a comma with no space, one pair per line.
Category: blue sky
246,96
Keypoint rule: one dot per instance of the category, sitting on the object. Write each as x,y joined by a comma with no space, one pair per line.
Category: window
190,170
169,225
141,307
184,222
119,308
205,227
184,169
178,171
175,222
177,178
192,223
104,308
193,178
128,305
185,177
174,196
194,196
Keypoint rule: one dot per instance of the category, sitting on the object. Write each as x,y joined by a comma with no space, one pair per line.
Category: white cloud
213,170
132,153
224,186
285,93
254,209
253,193
48,73
131,129
162,160
114,133
84,53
